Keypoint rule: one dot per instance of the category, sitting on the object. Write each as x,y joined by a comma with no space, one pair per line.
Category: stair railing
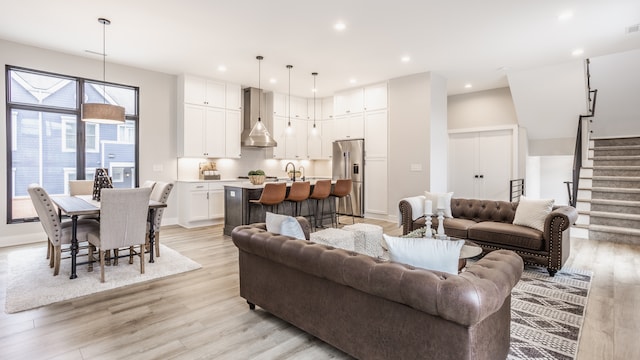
517,189
572,187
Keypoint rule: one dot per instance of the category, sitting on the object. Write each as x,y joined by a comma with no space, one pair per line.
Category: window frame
81,150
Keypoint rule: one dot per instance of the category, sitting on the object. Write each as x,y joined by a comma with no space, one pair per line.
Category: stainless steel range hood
256,133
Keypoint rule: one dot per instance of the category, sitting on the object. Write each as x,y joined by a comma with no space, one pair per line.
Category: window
49,142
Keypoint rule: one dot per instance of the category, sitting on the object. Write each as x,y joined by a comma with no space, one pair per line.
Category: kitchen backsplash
252,159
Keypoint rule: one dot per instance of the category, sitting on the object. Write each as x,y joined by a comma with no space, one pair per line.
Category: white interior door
463,162
495,163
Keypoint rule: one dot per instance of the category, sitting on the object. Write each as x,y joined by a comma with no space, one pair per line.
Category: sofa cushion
533,212
458,228
507,234
431,254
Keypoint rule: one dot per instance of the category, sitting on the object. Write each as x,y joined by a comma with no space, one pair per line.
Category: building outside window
50,144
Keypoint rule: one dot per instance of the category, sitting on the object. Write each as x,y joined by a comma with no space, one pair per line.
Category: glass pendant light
103,113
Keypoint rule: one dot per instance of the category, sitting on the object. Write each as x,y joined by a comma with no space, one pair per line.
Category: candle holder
427,232
441,234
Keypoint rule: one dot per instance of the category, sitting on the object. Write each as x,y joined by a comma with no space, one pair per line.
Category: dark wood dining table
75,206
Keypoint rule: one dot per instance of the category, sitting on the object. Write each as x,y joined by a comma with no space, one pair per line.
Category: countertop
248,185
236,180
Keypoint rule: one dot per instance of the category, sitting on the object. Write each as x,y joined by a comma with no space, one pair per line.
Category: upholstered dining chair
272,195
149,184
123,218
58,232
161,191
342,190
321,192
80,187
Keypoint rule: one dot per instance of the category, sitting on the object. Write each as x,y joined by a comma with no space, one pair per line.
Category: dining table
75,206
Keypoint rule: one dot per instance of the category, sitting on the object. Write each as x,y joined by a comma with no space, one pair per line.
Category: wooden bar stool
298,193
272,194
321,192
342,190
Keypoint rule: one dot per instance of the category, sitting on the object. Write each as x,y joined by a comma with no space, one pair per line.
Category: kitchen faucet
302,175
294,170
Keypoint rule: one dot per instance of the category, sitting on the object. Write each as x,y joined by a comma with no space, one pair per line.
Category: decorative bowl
256,179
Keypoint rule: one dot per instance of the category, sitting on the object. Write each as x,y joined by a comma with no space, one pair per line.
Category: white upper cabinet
376,133
209,118
233,98
327,108
280,105
318,109
348,102
375,97
314,139
201,91
298,108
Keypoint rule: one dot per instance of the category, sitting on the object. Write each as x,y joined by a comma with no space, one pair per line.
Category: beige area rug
31,284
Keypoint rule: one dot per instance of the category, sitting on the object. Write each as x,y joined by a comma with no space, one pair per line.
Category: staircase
608,199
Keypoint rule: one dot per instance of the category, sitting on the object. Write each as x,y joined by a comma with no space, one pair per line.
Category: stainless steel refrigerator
348,163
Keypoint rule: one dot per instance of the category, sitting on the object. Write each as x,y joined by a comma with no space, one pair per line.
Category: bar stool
298,193
272,194
342,190
321,192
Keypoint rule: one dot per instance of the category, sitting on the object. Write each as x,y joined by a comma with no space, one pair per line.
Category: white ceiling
466,41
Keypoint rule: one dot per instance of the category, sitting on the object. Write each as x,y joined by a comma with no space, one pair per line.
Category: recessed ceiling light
577,52
339,26
352,81
405,58
314,90
468,86
222,68
273,80
567,15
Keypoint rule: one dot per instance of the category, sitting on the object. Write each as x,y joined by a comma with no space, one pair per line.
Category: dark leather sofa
489,224
376,309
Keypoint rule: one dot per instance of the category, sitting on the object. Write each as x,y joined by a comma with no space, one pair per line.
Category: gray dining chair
160,193
123,215
149,184
80,187
59,232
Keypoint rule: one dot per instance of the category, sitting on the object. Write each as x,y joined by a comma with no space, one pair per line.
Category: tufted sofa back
483,210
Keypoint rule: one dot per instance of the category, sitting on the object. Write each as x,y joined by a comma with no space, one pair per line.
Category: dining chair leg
102,254
90,256
157,243
142,259
131,251
57,254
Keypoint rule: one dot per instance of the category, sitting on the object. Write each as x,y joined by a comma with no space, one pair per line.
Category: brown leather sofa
376,309
489,224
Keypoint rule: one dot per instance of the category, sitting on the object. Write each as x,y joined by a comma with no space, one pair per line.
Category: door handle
481,176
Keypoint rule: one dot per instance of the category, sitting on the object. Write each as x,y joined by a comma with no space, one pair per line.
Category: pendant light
103,113
257,135
289,123
314,74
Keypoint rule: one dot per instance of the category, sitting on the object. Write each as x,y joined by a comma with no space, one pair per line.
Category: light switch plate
158,168
416,167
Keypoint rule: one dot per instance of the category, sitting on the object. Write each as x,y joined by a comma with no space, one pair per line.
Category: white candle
428,207
440,202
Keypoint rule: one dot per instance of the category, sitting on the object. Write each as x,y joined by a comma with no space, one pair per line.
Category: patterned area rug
547,313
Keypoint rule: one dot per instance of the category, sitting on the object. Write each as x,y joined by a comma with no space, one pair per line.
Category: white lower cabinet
201,203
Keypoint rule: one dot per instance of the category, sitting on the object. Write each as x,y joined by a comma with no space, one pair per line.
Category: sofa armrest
559,220
406,216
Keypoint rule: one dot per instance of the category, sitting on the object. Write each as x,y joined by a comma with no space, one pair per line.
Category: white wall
481,109
418,139
546,176
157,122
617,78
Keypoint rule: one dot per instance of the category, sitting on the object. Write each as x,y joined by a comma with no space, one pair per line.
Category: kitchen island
236,205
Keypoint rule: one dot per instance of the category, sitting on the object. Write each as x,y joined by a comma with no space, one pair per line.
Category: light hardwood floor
199,315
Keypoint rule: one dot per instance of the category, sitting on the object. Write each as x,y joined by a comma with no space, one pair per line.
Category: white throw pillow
432,254
446,197
291,227
284,225
532,212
